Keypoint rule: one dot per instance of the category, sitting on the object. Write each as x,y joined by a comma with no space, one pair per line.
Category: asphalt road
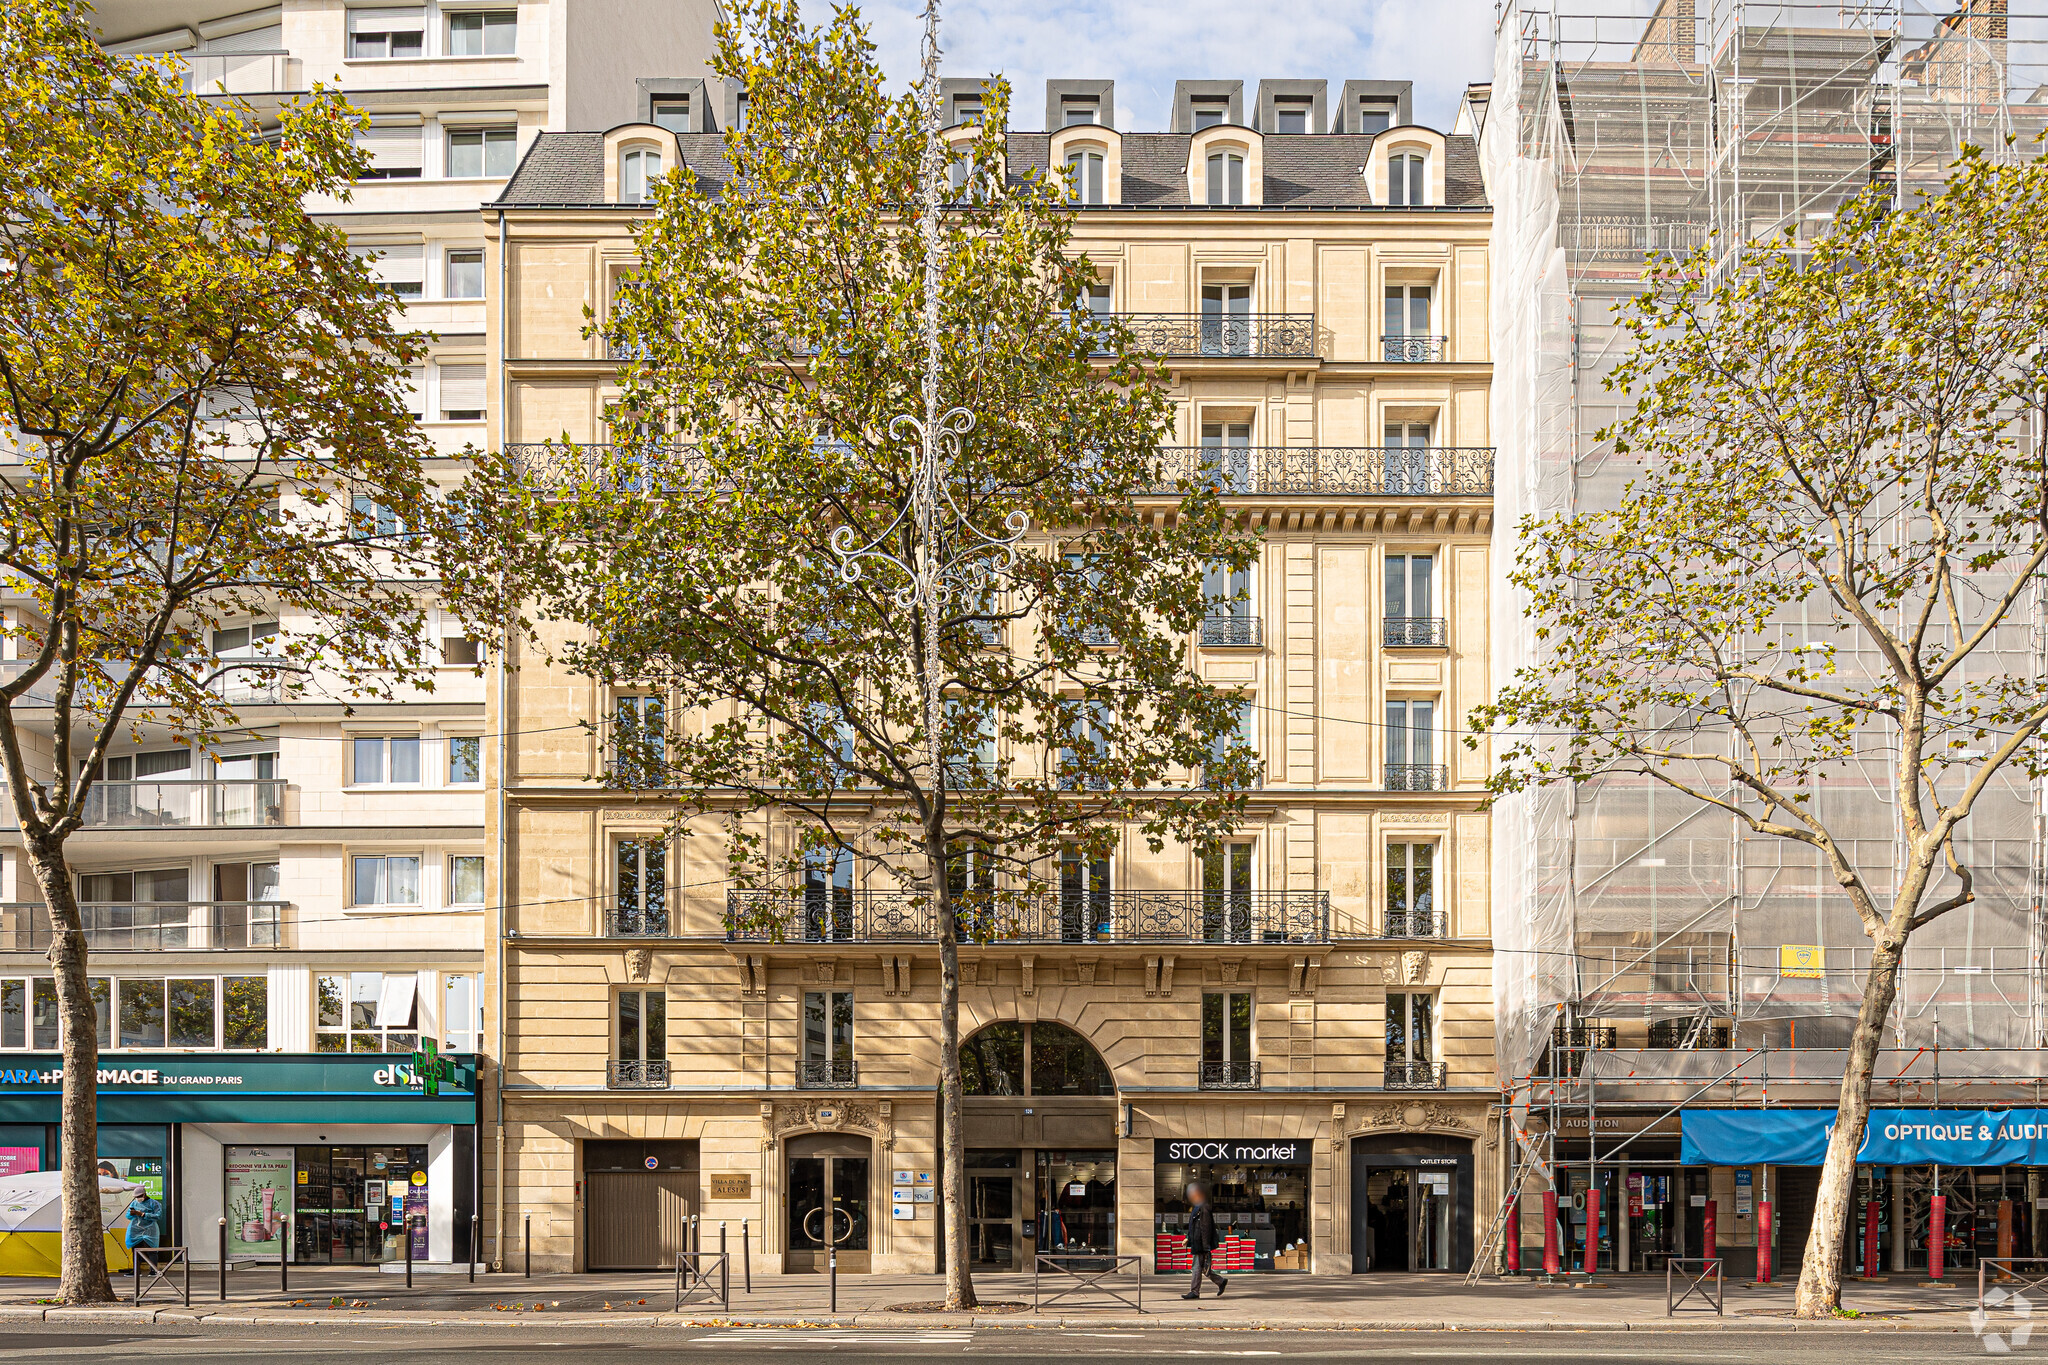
487,1346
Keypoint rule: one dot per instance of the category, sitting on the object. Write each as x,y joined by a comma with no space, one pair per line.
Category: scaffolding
1618,130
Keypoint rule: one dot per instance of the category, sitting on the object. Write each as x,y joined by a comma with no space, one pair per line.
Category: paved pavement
1352,1303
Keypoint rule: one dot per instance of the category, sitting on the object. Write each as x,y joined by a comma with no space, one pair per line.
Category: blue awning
1895,1137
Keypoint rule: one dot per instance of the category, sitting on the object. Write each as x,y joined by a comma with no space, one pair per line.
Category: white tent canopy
34,1201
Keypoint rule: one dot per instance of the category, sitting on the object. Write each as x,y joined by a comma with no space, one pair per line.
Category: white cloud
1146,45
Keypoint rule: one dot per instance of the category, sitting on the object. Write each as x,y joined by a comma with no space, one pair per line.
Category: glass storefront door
349,1203
995,1210
827,1183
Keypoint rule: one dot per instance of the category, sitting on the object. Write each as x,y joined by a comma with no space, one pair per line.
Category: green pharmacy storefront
322,1157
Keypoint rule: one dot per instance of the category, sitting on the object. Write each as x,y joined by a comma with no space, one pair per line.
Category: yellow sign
419,1177
731,1186
1801,959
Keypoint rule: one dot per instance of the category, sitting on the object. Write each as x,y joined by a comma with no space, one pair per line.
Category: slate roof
1315,171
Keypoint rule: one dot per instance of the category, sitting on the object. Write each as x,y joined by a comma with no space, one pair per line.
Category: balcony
1231,632
1414,350
827,1073
1349,471
636,1075
547,464
1241,1074
1255,336
1414,632
1418,777
152,803
1242,917
241,73
1687,1033
1418,924
637,924
1416,1076
154,926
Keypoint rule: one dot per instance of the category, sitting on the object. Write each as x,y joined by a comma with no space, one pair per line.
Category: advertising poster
259,1184
20,1160
146,1219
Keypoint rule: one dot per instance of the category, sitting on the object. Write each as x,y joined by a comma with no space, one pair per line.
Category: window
462,393
972,760
13,1013
967,109
366,1012
386,758
640,740
28,1012
1411,1038
1411,746
1226,178
491,33
396,150
465,760
828,894
400,268
1087,905
739,112
639,168
828,1039
643,1026
465,275
243,642
1227,1039
640,891
1407,456
1291,116
1076,112
1089,747
1226,893
461,1012
385,878
1225,453
480,153
375,34
466,879
461,651
1374,118
1228,591
1407,311
1209,113
1226,318
1241,738
245,1013
248,911
374,518
1406,186
671,112
1411,890
142,1012
1084,177
1411,617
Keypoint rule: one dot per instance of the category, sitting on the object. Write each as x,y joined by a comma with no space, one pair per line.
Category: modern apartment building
272,914
1302,1017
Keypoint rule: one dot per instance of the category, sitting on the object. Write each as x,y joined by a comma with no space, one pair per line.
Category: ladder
1508,1215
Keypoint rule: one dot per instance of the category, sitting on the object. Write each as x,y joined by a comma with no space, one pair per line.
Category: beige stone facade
1327,339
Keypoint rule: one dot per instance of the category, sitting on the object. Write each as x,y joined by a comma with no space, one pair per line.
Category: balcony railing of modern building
1400,1075
1195,917
636,1075
827,1073
1241,1073
1417,777
155,926
1414,632
180,803
1231,632
242,73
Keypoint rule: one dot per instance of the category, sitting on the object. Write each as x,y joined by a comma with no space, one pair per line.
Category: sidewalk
1419,1303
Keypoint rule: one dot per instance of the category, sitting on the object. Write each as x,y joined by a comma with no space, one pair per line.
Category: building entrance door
995,1210
827,1184
1411,1203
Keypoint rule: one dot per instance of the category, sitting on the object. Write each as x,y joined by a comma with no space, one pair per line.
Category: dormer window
1084,176
671,112
1210,113
1076,112
639,168
1407,181
1226,178
967,108
1290,116
1374,118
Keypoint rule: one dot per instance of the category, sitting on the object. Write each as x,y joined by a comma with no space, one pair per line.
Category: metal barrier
160,1262
1696,1284
1085,1274
708,1271
2007,1268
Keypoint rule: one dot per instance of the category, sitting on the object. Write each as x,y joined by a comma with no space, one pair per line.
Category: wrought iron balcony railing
1239,1074
1360,471
627,468
1231,632
636,924
154,926
634,1075
1250,335
1418,777
827,1073
1414,632
1416,1075
1687,1033
1414,350
775,916
1418,924
153,803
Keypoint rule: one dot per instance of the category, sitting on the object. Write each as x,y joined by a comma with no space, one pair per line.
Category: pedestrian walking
1202,1243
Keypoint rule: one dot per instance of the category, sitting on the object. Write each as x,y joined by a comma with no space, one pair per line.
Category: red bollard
1550,1232
1589,1261
1709,1245
1937,1234
1870,1216
1763,1241
1512,1222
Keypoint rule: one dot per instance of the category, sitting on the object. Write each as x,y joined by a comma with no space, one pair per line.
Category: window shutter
410,19
462,388
393,147
404,263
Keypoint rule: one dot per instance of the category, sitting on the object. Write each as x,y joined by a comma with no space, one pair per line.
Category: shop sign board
1744,1187
1895,1137
247,1087
1248,1150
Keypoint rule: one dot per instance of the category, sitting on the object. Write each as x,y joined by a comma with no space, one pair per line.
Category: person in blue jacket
144,1222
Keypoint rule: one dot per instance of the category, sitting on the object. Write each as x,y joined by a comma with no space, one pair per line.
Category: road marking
798,1336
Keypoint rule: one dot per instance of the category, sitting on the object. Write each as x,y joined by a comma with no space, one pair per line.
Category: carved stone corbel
1029,965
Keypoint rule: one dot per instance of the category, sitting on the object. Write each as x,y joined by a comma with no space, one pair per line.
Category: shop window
1227,1061
1042,1058
828,1040
351,1204
366,1012
461,1012
1258,1190
1076,1202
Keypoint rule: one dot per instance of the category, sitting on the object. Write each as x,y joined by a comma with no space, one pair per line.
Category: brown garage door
638,1219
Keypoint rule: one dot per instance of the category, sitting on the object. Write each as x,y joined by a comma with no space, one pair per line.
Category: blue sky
1146,45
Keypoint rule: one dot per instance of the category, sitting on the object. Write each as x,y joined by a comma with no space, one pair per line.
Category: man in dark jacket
1202,1243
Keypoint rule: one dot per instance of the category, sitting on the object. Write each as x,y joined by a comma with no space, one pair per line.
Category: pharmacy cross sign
429,1068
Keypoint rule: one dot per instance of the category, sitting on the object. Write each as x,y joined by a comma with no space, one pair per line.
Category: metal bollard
832,1266
472,1248
746,1256
223,1260
405,1231
284,1259
529,1246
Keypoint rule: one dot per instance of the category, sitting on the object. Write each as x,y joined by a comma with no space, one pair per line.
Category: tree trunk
953,1145
1820,1275
85,1254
